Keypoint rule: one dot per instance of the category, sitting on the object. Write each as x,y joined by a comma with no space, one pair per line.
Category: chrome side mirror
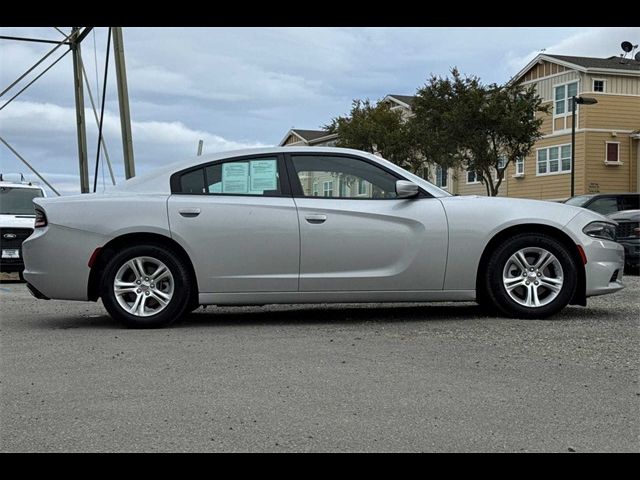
406,189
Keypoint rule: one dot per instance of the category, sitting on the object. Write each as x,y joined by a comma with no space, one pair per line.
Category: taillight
41,219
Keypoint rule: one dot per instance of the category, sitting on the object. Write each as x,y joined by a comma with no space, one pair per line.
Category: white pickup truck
17,217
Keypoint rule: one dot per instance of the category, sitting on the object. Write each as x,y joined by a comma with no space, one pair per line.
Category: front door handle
189,212
316,218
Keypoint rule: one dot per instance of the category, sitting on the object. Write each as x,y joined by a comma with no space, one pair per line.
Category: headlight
601,230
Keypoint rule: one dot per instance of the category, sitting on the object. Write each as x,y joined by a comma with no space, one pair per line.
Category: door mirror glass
406,189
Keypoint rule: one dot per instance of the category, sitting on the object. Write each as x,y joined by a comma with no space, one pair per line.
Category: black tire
496,292
179,302
21,276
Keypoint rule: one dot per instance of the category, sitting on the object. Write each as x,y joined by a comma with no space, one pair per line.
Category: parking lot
405,377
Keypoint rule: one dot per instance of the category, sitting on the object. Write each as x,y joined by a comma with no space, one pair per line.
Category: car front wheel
531,276
146,286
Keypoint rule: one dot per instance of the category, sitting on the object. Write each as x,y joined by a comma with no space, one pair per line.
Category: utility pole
123,102
200,143
80,121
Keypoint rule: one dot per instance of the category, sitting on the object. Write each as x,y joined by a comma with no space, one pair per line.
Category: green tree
459,121
377,129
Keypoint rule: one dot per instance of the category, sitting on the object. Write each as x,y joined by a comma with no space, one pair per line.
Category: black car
628,235
606,203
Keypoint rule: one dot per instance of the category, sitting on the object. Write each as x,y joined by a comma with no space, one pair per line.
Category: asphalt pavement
316,378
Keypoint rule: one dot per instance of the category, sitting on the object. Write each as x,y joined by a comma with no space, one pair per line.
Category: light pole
579,101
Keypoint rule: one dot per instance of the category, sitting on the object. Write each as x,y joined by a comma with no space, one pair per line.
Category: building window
343,188
472,177
327,189
613,152
553,160
598,85
441,176
563,94
502,161
520,166
315,189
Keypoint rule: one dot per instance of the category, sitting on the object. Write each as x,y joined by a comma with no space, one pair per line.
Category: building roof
612,65
615,63
310,135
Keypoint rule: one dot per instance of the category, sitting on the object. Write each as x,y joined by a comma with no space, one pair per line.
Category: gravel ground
409,377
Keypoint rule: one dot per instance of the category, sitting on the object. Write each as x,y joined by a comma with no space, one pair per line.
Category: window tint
604,205
343,177
192,182
631,202
242,177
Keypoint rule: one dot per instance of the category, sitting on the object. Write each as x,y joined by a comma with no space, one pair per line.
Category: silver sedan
312,225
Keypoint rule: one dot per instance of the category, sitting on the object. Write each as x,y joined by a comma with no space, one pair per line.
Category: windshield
18,201
578,201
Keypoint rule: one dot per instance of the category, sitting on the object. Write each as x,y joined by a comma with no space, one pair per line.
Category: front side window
343,177
257,176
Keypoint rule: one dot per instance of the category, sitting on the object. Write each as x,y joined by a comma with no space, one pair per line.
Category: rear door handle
189,212
316,218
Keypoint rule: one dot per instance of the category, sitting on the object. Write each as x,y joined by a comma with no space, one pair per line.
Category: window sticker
235,177
263,175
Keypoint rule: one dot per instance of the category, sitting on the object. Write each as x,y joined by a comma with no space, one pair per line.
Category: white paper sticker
263,175
235,177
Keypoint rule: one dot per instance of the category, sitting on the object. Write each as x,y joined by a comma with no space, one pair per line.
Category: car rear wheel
531,276
146,286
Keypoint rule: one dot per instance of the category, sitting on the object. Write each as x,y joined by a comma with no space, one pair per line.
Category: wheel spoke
534,294
554,284
140,309
544,259
162,301
512,282
121,287
165,296
134,308
160,272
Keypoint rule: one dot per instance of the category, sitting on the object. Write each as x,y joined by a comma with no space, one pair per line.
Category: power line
104,95
34,66
33,81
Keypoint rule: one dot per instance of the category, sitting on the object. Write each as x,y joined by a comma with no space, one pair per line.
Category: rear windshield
18,201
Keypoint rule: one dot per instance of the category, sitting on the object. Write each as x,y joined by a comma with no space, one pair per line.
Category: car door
238,222
356,235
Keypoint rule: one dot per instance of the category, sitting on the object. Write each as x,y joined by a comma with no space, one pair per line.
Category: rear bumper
36,293
56,259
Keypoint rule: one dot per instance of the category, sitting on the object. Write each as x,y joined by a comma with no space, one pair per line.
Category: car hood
520,208
16,221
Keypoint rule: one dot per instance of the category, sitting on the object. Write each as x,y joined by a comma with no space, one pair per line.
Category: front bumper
604,268
631,251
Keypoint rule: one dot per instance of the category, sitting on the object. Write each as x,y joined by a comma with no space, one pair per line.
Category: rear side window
251,176
192,182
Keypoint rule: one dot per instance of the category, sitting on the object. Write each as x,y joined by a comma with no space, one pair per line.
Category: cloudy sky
239,87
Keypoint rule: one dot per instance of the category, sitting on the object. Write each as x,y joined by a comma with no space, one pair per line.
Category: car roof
157,181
